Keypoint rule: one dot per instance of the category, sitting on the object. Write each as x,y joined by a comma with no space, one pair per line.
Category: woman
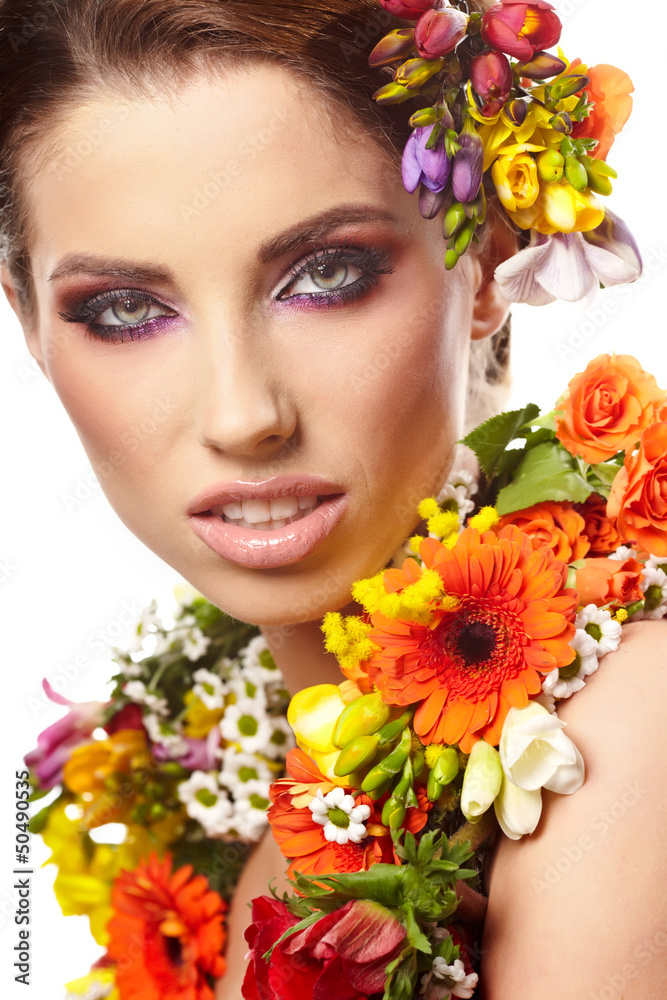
284,309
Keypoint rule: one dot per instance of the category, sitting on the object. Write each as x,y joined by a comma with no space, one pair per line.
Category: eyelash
370,260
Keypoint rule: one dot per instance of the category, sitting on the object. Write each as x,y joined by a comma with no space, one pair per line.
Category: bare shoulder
579,909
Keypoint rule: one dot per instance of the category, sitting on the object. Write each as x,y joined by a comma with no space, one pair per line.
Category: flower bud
516,111
550,165
438,32
392,93
464,236
521,29
517,810
541,67
491,77
313,714
561,123
356,755
454,218
446,766
393,813
414,73
451,258
467,166
423,117
409,9
361,717
482,779
430,202
599,174
396,45
575,173
568,85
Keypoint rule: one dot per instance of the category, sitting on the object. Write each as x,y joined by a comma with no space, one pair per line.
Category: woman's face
251,303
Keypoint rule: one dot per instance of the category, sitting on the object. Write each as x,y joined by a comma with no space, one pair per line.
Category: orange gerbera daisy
302,840
166,933
512,622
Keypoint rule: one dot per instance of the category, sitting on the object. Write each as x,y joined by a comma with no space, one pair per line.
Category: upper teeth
260,511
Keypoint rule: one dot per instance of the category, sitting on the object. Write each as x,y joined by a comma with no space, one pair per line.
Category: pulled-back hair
56,53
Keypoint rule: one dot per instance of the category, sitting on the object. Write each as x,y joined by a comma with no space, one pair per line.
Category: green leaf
605,473
547,420
547,472
301,926
490,440
415,935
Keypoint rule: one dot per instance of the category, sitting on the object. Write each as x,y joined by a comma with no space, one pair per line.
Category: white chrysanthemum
142,628
341,818
657,562
137,691
622,553
195,643
239,770
584,664
653,586
250,816
256,659
599,624
247,689
207,803
163,733
462,985
209,688
282,738
127,666
246,723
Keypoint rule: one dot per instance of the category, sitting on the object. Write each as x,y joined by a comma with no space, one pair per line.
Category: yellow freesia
560,208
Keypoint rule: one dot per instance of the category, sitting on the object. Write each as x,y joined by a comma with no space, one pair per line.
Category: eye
120,314
334,275
325,277
133,308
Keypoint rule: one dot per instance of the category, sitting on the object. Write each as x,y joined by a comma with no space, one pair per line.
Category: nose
241,406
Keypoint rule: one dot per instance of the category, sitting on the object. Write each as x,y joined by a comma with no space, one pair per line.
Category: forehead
236,154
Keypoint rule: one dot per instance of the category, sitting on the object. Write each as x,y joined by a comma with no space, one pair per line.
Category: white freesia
461,985
481,781
517,810
536,753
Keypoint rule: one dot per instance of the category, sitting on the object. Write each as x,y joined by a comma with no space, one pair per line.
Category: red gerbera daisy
166,933
470,664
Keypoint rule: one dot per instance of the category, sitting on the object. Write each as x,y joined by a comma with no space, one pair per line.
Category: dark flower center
476,642
174,949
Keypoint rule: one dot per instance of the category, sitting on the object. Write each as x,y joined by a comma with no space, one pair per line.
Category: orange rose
603,581
600,530
607,407
638,497
556,526
610,90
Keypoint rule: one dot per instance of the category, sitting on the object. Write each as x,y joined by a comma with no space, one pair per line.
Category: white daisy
143,626
247,689
161,732
256,658
653,586
341,818
282,738
250,816
209,688
622,553
137,691
599,624
246,723
564,682
242,770
207,803
195,643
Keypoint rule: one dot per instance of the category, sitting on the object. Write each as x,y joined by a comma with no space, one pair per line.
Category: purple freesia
467,167
420,165
56,742
569,266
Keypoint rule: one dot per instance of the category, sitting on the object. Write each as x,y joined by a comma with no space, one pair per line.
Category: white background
67,573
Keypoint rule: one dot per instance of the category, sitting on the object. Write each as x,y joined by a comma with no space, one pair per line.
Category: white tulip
535,753
481,781
517,811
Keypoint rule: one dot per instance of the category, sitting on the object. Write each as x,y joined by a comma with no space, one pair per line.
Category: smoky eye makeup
332,275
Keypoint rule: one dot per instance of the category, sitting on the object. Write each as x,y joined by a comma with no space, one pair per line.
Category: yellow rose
514,174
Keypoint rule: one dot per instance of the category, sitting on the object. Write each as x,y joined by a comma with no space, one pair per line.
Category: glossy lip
266,549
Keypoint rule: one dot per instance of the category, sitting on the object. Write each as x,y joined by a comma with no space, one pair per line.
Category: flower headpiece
495,102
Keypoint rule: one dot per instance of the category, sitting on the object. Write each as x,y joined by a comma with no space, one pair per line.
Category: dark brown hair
55,53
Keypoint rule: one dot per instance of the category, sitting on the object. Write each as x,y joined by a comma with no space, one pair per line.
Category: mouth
271,524
267,515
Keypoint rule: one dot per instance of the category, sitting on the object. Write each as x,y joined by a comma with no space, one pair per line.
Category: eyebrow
308,231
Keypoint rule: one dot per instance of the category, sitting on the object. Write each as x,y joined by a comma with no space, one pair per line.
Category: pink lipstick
268,524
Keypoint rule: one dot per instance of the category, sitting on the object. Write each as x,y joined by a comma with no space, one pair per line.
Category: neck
299,652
